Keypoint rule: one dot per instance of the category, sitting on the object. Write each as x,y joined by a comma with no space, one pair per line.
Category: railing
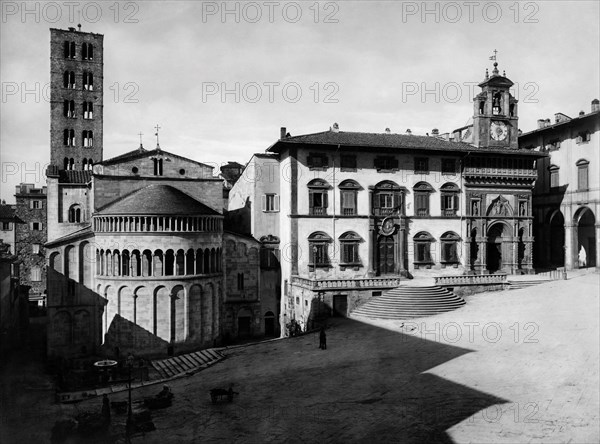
554,275
484,279
349,211
340,284
477,171
318,211
448,212
422,212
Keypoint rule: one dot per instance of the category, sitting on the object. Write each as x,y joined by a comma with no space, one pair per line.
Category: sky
221,78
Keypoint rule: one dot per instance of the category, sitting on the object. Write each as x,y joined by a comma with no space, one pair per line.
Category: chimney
282,133
408,132
388,131
547,121
335,128
71,29
541,123
581,113
79,27
595,105
435,132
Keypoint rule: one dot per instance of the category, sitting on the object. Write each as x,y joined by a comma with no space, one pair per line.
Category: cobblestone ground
513,366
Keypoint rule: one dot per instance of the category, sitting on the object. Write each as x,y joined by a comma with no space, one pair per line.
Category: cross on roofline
156,134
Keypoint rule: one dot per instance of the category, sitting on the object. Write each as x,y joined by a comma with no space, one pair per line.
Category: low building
566,197
13,303
8,225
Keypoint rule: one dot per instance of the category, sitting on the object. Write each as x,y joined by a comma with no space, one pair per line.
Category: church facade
134,251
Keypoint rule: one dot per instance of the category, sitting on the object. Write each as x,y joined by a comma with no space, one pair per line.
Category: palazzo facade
358,212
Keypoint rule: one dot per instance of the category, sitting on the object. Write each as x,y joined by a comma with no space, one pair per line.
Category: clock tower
495,120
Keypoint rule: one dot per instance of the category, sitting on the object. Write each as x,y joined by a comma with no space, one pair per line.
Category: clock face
498,130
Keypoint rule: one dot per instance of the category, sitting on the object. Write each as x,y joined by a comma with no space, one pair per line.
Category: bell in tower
495,121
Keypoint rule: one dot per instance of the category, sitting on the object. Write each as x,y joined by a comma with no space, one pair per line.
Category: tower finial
156,134
487,75
495,70
141,145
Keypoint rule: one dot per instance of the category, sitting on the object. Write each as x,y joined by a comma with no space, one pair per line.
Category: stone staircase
517,285
407,302
186,363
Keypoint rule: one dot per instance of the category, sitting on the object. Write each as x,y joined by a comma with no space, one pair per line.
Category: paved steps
516,285
406,302
186,363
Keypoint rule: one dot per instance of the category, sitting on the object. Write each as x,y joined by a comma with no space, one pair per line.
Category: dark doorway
586,238
557,240
494,248
340,305
386,255
269,324
244,327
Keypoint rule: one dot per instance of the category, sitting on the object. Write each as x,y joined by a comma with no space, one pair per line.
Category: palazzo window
88,81
87,51
348,162
421,165
69,108
388,197
449,166
349,243
385,163
69,50
318,250
449,199
240,281
449,243
554,177
422,246
88,138
36,274
69,79
69,137
317,197
75,214
582,175
348,197
270,203
317,161
158,167
583,137
88,110
422,190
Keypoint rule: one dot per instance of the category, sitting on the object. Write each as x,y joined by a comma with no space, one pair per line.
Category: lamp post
129,365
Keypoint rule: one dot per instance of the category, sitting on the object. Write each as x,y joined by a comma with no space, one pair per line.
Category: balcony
318,211
448,212
503,172
345,284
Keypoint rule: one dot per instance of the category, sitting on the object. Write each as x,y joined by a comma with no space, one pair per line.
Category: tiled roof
8,212
72,176
572,121
386,141
157,200
82,233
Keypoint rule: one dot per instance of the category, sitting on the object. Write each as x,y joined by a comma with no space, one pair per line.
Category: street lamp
129,365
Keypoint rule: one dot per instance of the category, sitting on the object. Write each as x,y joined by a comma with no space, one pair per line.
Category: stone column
597,245
482,254
402,247
569,247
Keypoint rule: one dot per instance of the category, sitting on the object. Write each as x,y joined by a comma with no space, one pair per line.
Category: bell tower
495,118
76,103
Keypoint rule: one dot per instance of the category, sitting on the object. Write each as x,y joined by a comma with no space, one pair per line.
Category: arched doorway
244,323
494,247
557,239
585,254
